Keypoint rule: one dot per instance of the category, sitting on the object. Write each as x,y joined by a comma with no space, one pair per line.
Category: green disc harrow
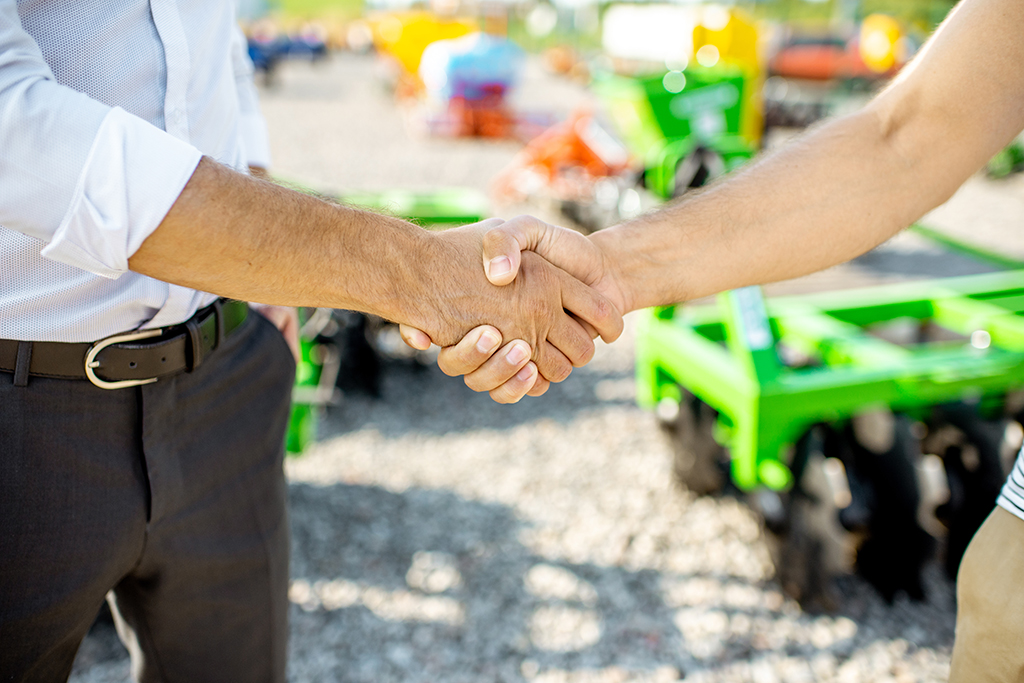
755,391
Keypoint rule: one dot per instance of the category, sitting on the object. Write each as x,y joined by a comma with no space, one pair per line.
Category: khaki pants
990,597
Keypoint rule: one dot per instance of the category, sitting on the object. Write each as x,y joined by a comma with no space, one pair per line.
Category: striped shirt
1011,498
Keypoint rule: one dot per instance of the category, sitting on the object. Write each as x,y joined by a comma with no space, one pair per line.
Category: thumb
502,256
564,248
503,246
414,338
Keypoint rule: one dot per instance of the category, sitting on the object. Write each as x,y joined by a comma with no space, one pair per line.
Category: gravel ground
440,537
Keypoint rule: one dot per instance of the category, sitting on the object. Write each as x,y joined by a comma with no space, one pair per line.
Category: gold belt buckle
94,350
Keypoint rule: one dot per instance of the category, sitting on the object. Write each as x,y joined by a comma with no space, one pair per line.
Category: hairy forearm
245,238
837,192
249,239
847,185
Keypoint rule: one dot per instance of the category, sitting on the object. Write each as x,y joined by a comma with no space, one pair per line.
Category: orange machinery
578,165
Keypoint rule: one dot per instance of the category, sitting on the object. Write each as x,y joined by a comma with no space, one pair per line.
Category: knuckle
560,371
538,391
603,311
528,223
584,352
507,393
494,240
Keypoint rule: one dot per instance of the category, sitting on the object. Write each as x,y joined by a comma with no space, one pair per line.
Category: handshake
526,313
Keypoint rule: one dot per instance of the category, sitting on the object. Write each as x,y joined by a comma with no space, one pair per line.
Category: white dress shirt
106,107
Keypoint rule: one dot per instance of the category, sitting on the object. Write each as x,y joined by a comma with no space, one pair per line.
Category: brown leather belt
129,359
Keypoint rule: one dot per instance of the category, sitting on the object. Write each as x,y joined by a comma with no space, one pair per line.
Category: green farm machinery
863,425
678,129
684,126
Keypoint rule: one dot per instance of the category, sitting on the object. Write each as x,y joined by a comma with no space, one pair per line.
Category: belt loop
22,364
218,312
195,336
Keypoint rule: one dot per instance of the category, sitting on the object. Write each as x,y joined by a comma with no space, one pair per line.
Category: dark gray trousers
171,496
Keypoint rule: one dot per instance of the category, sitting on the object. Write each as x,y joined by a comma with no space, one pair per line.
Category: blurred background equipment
685,125
816,72
402,38
1009,160
858,423
578,166
268,45
680,127
468,81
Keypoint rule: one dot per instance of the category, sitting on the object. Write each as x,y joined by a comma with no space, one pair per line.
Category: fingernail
517,354
488,342
525,374
499,266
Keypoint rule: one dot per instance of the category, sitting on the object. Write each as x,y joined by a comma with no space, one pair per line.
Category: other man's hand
580,256
535,308
500,370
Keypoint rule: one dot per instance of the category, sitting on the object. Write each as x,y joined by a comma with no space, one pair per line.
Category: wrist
617,267
382,264
423,288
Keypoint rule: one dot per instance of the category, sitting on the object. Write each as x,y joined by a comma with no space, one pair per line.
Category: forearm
249,239
834,194
846,186
244,238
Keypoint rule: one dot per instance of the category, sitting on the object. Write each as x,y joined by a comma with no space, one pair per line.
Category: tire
815,537
361,369
696,169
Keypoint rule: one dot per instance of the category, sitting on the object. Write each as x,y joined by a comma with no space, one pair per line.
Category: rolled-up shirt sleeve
91,182
254,126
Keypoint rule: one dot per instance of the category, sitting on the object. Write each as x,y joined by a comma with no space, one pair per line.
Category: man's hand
286,320
534,309
300,250
583,258
503,372
507,373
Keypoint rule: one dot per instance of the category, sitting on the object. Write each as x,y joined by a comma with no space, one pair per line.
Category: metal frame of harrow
727,356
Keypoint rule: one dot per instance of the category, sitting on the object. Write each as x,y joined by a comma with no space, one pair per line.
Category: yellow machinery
729,37
404,37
